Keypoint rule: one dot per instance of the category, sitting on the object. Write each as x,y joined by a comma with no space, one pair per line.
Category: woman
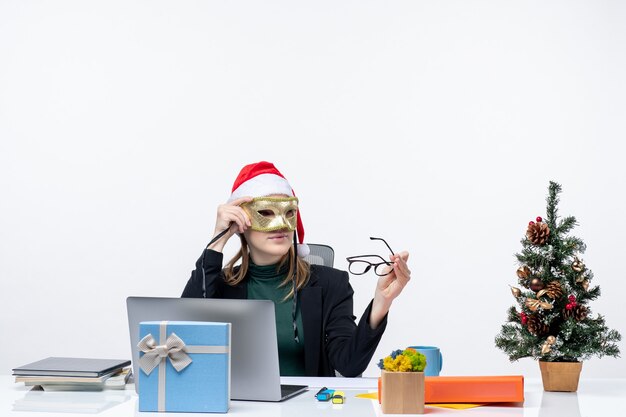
316,329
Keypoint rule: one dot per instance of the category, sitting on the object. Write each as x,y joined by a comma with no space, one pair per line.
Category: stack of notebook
76,374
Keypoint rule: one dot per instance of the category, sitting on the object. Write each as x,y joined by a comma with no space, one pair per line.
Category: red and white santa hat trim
262,179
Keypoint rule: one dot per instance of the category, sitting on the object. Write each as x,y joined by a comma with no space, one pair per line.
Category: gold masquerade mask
268,214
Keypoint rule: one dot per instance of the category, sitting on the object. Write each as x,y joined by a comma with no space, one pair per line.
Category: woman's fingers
230,213
230,219
241,212
238,216
404,255
402,270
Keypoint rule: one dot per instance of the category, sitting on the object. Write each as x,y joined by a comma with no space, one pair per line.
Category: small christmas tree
554,321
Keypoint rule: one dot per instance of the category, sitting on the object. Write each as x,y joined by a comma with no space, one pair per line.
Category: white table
595,397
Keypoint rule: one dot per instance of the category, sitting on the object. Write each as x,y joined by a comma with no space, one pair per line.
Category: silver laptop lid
255,373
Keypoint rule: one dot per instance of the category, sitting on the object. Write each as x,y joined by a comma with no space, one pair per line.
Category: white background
436,125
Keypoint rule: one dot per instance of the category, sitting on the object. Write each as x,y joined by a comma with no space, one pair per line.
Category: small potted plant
555,323
402,382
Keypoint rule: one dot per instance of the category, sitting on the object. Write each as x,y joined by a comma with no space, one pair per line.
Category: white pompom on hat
262,179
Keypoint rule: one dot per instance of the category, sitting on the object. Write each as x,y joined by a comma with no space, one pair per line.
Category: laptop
255,373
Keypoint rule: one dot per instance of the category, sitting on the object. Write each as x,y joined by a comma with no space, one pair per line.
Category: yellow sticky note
456,406
368,395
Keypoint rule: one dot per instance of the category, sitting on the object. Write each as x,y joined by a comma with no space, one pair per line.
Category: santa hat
262,179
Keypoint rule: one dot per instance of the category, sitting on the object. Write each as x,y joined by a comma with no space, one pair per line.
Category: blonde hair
234,277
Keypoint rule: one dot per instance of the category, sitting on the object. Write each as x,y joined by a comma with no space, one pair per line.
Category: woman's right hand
230,216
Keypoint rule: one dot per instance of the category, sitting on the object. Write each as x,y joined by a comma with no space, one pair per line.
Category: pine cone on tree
579,313
538,233
536,326
553,290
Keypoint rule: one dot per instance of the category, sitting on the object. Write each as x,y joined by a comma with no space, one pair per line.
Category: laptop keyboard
286,390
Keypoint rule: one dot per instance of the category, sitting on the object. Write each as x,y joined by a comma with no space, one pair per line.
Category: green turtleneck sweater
264,284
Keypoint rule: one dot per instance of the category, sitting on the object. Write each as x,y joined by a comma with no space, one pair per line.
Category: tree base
560,376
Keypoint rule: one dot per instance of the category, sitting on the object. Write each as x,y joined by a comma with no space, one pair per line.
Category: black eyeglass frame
377,266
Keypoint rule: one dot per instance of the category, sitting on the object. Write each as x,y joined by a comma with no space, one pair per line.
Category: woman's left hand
389,287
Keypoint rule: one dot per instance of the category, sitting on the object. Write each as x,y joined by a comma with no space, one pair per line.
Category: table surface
595,397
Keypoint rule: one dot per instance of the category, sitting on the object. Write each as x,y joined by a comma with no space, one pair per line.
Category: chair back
320,255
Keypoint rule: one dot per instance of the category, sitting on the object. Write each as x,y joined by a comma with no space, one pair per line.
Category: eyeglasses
359,265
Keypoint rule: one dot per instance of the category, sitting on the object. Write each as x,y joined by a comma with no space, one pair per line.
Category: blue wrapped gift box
184,366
